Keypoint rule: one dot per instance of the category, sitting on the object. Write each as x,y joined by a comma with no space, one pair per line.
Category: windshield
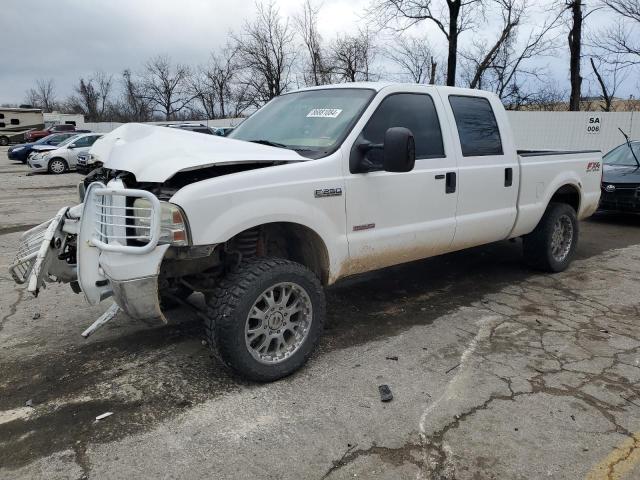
622,155
313,122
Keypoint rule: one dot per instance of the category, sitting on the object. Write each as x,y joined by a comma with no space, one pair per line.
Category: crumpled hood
155,154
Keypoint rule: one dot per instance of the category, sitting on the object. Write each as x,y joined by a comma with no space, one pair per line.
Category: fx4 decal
593,167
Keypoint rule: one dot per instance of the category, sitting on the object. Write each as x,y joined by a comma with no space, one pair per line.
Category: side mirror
399,150
73,145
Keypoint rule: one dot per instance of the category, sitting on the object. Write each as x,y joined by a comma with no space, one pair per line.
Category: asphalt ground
497,372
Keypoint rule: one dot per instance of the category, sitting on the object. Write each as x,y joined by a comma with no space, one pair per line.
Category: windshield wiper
626,137
269,143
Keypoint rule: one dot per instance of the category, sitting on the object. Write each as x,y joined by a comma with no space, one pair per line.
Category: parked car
319,184
64,157
34,135
51,142
621,178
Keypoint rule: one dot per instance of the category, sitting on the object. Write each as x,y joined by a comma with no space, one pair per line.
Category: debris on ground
385,393
29,403
36,316
452,368
392,357
104,415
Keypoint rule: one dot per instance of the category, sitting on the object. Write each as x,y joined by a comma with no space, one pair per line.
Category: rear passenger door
488,171
398,217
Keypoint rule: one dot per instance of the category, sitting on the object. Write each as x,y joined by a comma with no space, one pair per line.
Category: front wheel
4,141
57,166
552,245
266,318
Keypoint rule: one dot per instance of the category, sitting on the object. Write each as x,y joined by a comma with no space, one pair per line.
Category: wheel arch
292,241
568,193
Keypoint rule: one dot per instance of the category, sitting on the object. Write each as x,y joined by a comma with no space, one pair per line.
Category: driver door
394,218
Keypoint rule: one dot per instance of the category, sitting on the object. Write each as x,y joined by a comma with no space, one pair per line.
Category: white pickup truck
319,184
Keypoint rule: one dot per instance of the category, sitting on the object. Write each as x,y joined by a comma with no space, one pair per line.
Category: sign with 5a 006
594,124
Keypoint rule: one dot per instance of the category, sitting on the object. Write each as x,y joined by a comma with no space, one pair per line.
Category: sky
68,39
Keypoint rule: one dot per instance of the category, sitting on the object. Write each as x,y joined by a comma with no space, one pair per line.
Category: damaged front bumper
94,247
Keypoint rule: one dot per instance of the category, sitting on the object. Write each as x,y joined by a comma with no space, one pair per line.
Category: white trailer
15,122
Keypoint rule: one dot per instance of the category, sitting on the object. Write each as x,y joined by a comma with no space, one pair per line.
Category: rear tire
266,318
552,245
57,166
4,141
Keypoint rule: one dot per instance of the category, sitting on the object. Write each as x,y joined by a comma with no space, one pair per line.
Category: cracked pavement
501,373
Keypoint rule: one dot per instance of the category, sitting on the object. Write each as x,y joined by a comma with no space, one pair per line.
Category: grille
119,227
27,251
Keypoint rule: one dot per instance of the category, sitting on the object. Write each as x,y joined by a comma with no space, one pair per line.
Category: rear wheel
551,246
4,141
57,166
266,318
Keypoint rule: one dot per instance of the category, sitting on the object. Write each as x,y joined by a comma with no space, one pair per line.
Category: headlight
173,223
17,149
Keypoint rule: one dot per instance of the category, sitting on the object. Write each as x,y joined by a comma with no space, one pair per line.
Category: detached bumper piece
35,254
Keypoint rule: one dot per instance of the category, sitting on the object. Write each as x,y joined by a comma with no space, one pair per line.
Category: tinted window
413,111
15,121
477,126
2,125
1,115
92,139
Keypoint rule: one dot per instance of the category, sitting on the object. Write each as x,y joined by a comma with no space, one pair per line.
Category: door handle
450,183
440,176
508,177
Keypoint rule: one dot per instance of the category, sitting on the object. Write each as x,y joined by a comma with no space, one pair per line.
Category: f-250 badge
328,192
593,167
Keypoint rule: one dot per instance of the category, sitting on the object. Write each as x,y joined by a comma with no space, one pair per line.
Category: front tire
266,318
552,245
57,166
4,141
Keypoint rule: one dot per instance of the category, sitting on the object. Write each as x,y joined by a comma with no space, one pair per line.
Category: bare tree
220,75
619,39
167,87
609,73
451,17
316,71
265,54
415,58
484,55
92,97
133,106
575,51
43,95
503,65
352,56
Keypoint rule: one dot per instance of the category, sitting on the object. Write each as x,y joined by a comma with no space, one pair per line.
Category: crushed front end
111,245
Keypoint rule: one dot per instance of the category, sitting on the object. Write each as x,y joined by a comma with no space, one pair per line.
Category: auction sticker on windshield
324,113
